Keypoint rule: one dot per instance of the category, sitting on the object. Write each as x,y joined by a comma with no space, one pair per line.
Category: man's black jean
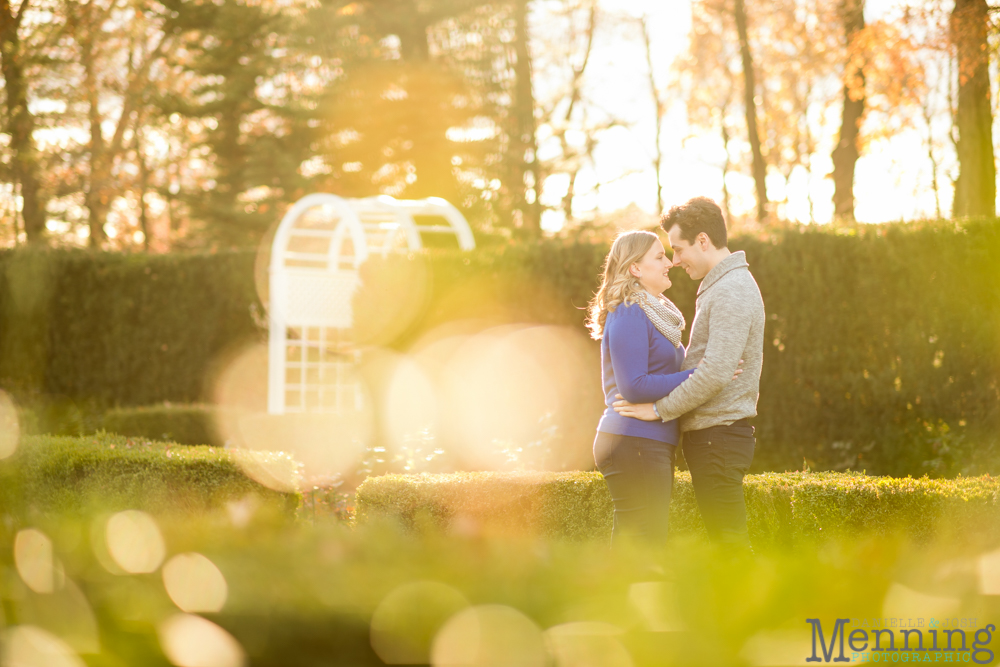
718,458
640,476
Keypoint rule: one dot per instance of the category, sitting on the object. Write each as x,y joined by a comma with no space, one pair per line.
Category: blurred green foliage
310,591
783,509
302,594
68,475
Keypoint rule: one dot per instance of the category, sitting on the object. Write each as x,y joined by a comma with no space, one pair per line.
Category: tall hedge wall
882,352
111,328
882,343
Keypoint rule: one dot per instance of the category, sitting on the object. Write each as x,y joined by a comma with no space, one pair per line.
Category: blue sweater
638,362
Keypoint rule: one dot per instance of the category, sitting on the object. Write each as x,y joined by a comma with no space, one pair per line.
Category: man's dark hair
695,216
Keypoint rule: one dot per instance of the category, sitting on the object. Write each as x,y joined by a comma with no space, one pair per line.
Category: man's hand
643,411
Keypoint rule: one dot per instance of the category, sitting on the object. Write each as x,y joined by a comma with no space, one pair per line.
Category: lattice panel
321,299
320,371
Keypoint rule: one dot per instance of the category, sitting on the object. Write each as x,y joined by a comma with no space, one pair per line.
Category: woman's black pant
640,476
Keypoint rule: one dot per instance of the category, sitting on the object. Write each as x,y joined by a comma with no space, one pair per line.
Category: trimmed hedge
118,329
68,475
881,342
189,424
782,508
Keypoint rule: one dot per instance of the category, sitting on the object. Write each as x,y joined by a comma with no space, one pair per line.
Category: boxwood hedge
67,475
782,508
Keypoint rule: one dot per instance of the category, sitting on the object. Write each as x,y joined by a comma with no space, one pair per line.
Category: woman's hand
643,411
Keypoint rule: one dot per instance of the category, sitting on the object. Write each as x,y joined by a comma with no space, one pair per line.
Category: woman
641,356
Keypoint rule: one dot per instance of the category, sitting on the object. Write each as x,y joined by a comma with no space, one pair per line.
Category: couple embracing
656,392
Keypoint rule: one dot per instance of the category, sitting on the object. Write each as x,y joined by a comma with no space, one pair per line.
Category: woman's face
652,269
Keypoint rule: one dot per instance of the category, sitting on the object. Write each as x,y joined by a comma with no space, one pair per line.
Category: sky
892,179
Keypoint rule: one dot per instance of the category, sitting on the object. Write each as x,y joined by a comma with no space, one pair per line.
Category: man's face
689,256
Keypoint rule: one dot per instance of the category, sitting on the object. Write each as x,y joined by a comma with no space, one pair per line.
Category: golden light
66,613
194,583
587,644
507,385
30,646
10,430
988,569
405,623
904,602
324,445
272,446
655,603
394,294
778,648
134,542
192,641
35,562
99,544
410,404
487,636
275,470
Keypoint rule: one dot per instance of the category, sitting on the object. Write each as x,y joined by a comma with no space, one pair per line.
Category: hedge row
114,329
881,342
186,424
782,508
66,475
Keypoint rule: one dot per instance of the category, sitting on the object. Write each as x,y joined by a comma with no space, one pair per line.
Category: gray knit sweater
728,326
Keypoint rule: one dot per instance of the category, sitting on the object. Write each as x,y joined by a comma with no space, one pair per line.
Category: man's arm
647,411
728,331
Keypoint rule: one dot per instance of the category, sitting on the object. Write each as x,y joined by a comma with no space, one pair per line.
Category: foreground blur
133,588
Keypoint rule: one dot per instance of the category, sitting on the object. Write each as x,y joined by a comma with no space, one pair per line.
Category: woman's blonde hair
618,285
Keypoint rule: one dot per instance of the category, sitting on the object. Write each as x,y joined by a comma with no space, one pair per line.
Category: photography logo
901,640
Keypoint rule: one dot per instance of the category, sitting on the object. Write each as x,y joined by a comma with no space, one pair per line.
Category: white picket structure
317,250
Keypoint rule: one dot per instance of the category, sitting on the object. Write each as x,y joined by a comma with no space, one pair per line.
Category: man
713,407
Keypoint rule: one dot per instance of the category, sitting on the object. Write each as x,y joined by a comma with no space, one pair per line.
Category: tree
708,78
659,104
975,189
845,155
565,54
750,108
20,120
524,149
117,46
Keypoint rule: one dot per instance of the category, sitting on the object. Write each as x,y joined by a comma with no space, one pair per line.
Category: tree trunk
523,147
725,170
975,189
96,199
143,185
21,124
658,104
429,87
845,154
750,104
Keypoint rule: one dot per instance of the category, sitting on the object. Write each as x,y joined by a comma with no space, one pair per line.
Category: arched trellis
317,250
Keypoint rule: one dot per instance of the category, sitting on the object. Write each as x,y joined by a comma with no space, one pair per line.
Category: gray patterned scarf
665,316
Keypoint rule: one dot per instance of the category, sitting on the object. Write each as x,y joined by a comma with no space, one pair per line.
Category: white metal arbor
317,250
